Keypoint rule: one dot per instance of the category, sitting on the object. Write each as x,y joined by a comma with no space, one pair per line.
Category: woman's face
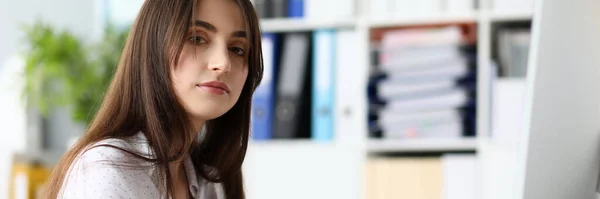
212,68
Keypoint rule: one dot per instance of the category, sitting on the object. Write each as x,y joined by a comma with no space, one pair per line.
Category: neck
198,125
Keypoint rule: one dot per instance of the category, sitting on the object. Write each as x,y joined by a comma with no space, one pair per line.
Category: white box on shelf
508,109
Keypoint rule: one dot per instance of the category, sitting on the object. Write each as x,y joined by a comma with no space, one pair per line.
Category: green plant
61,70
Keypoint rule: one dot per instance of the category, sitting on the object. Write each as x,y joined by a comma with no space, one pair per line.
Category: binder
262,8
350,76
323,85
295,8
292,77
279,8
263,99
513,48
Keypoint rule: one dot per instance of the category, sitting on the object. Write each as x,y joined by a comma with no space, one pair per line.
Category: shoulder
109,168
116,151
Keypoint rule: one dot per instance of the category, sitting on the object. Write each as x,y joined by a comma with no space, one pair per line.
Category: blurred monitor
560,147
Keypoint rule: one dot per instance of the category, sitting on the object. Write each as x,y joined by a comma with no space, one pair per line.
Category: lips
215,87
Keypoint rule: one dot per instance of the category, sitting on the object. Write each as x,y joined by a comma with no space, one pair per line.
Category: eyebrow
212,28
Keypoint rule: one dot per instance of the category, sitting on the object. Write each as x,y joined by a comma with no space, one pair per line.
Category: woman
175,120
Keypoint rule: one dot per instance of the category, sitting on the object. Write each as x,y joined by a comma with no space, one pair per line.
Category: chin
207,113
207,109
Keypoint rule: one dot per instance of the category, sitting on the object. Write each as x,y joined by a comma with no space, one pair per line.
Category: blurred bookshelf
342,151
477,21
298,24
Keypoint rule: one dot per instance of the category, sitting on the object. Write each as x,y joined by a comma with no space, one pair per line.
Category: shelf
442,19
291,25
508,17
297,141
298,24
422,145
290,143
487,143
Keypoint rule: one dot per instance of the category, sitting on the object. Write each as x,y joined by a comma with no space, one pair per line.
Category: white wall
74,15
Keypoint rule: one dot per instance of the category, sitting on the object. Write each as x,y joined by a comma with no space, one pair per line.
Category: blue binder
263,103
323,85
295,8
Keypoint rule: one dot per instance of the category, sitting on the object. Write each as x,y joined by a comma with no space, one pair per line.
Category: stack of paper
424,70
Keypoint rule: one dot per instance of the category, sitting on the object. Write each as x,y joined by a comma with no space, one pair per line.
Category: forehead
225,15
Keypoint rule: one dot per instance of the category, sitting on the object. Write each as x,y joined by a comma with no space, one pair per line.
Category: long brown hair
141,99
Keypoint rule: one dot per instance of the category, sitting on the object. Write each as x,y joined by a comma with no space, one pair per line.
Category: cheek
239,80
183,74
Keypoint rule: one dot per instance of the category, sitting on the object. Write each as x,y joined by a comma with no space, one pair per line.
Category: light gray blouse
106,172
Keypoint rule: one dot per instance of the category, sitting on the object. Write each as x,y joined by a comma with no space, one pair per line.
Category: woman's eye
197,40
237,51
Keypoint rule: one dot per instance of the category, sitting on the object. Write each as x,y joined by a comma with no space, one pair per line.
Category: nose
219,60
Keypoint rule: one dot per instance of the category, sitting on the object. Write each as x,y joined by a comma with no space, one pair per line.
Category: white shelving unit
294,25
483,18
358,151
